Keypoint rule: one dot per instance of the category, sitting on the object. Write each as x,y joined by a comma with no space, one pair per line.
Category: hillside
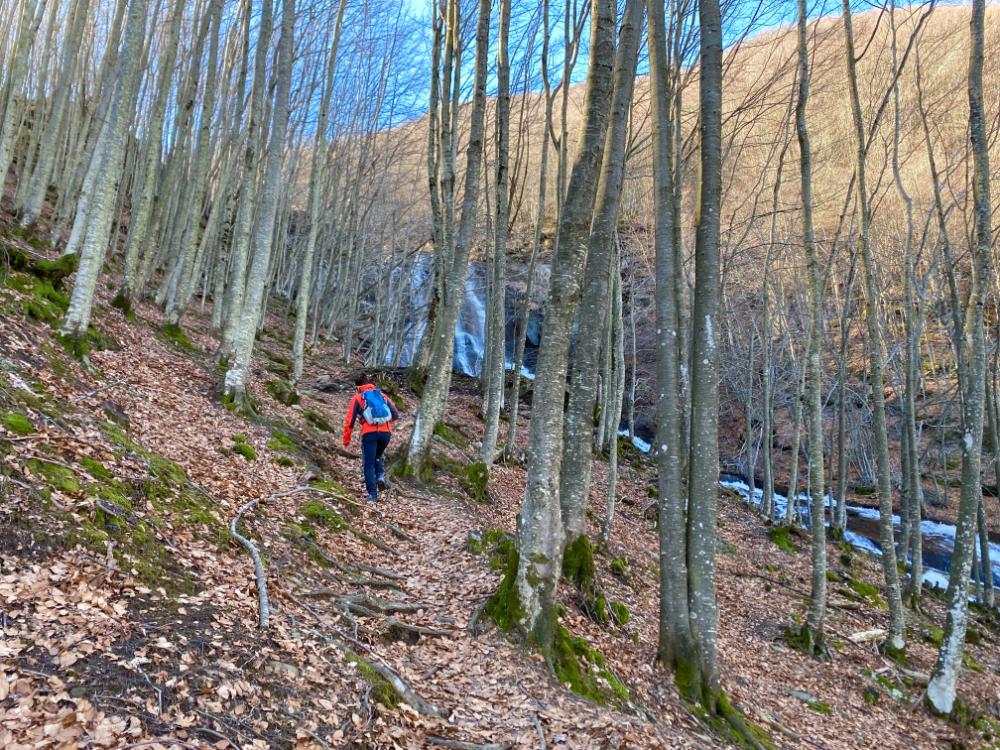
130,612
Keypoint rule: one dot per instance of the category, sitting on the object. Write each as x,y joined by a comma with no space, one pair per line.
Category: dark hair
362,379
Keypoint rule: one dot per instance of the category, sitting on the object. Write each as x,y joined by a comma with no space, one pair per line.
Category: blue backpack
374,408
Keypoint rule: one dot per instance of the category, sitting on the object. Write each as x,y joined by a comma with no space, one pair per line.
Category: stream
862,531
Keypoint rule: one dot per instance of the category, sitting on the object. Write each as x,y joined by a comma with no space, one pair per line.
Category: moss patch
279,441
504,606
583,669
475,480
79,346
782,538
319,513
56,476
243,448
451,436
18,424
175,335
96,469
382,689
620,612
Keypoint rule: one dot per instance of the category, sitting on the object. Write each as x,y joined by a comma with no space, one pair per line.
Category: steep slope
130,613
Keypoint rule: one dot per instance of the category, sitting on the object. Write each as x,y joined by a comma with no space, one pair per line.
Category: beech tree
941,689
540,535
438,380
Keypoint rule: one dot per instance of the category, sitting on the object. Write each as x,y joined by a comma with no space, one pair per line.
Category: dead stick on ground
258,562
540,730
462,745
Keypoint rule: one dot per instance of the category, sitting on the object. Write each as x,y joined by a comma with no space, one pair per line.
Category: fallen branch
399,533
463,745
366,537
867,635
392,623
540,730
258,564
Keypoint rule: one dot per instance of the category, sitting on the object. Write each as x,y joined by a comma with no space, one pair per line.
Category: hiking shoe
373,499
383,483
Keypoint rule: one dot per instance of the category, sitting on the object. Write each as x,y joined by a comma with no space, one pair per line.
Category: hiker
376,412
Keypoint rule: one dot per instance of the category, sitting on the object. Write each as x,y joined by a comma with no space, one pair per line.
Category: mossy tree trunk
596,304
540,532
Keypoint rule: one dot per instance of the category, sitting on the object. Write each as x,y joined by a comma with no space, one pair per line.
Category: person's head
363,378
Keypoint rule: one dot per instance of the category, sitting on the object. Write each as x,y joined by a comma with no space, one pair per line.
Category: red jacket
355,412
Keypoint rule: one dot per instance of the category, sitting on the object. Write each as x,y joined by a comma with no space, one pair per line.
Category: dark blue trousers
373,445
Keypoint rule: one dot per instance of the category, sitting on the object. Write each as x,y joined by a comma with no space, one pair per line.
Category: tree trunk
814,635
250,315
941,689
494,369
595,300
110,152
703,461
316,185
540,533
896,639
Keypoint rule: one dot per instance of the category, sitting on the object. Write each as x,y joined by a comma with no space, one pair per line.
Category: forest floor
130,613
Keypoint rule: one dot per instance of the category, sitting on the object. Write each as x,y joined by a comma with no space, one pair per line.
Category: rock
803,696
116,414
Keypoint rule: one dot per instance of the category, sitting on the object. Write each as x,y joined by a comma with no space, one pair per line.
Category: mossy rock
45,302
283,392
17,424
175,335
56,270
862,591
319,513
487,540
820,707
475,480
278,368
94,340
318,421
864,490
123,302
782,537
382,690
